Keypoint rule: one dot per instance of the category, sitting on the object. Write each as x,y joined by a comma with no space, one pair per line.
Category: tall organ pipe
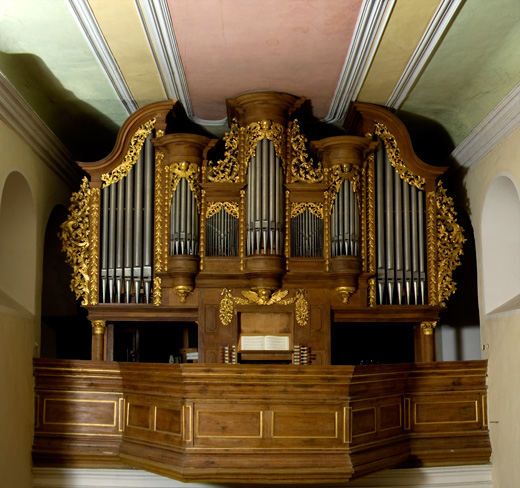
129,194
138,226
380,231
148,219
407,240
112,241
105,195
120,243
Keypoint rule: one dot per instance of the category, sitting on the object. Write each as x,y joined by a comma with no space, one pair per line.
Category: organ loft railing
263,227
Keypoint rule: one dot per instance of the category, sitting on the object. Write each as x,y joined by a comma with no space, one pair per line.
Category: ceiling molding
369,29
157,22
91,30
494,128
441,21
15,111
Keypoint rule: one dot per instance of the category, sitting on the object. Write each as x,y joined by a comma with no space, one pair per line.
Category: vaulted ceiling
83,66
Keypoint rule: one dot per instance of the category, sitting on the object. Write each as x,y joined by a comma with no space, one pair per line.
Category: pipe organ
267,227
269,246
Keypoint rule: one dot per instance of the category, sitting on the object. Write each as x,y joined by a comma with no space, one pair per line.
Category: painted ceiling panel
230,47
407,24
473,69
123,30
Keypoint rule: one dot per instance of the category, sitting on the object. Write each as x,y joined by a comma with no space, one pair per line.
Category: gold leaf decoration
215,207
263,296
338,173
159,211
74,237
183,169
394,155
303,168
227,169
314,208
157,291
450,242
95,198
265,129
132,155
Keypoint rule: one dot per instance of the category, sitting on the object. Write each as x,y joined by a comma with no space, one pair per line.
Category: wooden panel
168,421
391,416
227,424
305,424
457,411
363,421
99,413
138,416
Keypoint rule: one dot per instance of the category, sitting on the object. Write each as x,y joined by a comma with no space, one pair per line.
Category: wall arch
501,246
18,245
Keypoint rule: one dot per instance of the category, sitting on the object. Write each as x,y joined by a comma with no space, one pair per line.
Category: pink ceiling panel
229,47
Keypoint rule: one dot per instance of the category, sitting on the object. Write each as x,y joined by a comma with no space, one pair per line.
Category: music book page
264,343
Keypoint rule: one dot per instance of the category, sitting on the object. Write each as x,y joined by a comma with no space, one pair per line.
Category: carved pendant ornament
74,236
264,296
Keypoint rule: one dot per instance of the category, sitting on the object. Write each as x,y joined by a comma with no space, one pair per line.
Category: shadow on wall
65,330
87,133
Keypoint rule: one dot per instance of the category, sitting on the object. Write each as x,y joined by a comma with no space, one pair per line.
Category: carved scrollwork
450,242
227,170
183,169
338,173
303,168
314,208
74,237
263,296
132,155
265,129
95,198
215,207
394,156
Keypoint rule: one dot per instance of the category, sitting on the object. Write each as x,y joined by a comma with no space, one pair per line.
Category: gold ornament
227,169
183,169
74,235
95,197
132,155
314,208
428,327
159,212
157,291
98,327
215,207
303,169
394,156
183,291
265,129
450,241
263,296
345,292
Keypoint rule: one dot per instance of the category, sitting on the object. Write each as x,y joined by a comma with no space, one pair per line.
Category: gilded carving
242,229
265,129
183,169
394,156
98,327
183,291
370,260
158,217
345,292
431,248
157,291
202,236
371,292
74,235
95,197
326,229
427,328
131,156
263,296
227,169
314,208
303,168
450,242
215,207
338,173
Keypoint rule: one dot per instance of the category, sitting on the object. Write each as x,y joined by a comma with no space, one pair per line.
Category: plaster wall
500,332
20,307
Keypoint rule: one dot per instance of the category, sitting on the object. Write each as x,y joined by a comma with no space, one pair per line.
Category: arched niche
17,245
501,245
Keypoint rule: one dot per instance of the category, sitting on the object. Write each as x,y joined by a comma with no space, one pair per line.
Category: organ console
267,246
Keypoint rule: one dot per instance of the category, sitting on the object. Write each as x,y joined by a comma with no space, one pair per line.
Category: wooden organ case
264,249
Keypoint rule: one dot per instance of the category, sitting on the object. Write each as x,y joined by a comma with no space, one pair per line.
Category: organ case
272,229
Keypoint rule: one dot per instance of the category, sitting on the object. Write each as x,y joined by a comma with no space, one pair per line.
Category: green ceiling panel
46,56
476,65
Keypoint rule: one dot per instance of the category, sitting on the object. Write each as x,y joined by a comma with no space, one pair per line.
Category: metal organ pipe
127,232
344,222
264,201
400,237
